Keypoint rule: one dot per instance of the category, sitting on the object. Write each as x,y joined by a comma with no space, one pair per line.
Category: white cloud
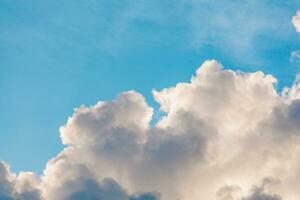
239,29
295,57
296,21
25,186
222,133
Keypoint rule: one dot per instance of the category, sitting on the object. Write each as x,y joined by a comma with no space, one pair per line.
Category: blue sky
57,55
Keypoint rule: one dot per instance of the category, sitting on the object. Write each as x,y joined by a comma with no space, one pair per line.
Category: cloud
296,21
295,57
258,192
21,187
222,133
85,188
231,192
239,29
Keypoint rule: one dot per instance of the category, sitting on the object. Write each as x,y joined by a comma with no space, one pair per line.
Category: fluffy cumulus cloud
296,21
25,186
225,135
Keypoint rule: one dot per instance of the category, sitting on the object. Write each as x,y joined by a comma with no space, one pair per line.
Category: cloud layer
225,135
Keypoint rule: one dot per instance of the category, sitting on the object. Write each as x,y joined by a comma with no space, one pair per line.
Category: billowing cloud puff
257,192
225,135
25,186
296,21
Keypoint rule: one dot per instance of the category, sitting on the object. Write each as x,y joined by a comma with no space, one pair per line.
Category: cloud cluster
25,186
225,135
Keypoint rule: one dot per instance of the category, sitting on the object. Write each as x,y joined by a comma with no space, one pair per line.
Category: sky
56,56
